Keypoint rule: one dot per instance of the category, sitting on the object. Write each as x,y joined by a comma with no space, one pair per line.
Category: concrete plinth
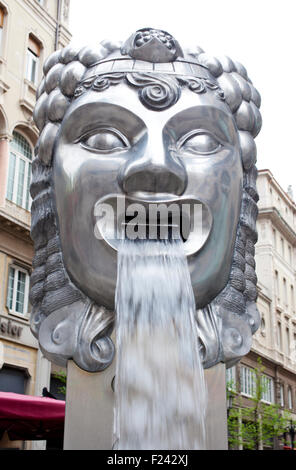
89,409
216,421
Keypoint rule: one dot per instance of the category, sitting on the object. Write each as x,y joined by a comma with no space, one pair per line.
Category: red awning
26,417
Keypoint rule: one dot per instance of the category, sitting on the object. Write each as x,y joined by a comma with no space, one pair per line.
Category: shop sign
9,328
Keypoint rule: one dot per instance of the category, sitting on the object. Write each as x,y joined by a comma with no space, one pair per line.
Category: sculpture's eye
105,141
201,143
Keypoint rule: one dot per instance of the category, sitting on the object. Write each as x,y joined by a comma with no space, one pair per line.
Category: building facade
30,30
275,341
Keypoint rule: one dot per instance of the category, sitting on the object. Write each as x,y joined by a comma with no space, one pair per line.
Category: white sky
258,33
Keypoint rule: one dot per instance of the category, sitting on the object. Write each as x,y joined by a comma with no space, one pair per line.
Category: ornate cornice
263,295
14,226
273,214
272,181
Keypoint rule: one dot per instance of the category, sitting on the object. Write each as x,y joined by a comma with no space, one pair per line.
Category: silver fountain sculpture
147,121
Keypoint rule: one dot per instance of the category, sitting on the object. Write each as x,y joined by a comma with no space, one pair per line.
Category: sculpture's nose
155,170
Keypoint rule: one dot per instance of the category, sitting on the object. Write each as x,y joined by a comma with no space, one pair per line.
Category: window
293,349
279,335
2,15
267,389
282,247
230,378
276,284
274,238
282,395
12,380
56,388
248,381
287,342
18,290
33,54
292,298
19,172
290,254
263,326
290,403
285,291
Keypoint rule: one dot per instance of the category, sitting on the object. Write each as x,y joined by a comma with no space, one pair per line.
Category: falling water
160,400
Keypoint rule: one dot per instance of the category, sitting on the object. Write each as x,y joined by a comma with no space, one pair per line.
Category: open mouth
159,227
119,217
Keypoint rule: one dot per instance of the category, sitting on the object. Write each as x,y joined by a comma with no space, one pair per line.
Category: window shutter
2,14
10,287
34,46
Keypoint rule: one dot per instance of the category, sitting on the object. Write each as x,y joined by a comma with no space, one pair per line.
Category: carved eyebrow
96,114
209,118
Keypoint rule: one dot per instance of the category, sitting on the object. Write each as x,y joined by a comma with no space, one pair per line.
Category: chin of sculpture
149,123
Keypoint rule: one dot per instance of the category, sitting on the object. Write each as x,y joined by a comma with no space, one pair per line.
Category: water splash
160,392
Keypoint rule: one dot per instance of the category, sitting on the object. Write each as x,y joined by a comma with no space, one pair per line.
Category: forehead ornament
151,58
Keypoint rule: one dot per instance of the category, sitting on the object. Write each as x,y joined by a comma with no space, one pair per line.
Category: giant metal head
146,121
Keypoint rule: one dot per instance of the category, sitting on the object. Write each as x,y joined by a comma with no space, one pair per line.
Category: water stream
160,392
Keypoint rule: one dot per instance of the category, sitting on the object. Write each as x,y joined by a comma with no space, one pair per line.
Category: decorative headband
128,65
151,53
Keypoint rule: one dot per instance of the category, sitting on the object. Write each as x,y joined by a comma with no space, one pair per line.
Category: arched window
19,173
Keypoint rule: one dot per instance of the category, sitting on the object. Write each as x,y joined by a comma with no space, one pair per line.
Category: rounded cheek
214,177
77,189
81,173
218,183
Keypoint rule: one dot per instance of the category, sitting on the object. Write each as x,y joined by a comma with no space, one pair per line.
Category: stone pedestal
89,409
216,421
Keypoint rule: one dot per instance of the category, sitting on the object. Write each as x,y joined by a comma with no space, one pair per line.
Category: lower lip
106,228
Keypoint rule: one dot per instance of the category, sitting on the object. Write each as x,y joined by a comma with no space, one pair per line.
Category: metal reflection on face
110,144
